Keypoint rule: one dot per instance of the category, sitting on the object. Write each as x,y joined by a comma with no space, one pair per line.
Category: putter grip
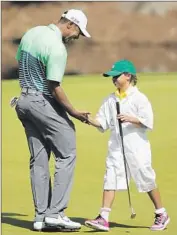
119,121
118,108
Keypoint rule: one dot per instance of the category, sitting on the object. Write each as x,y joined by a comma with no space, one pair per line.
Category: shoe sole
94,226
62,227
37,230
164,227
54,228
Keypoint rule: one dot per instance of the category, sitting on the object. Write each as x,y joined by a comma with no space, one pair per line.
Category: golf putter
133,214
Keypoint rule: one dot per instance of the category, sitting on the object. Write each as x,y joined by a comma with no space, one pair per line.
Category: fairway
87,93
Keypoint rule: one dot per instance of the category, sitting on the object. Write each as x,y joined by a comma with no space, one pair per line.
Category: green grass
87,93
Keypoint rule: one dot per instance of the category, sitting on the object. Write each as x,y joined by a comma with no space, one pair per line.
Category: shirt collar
126,93
56,30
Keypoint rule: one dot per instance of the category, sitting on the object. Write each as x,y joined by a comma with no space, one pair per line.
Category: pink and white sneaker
160,222
99,223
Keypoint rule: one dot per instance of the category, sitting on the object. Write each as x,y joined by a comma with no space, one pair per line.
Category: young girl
137,117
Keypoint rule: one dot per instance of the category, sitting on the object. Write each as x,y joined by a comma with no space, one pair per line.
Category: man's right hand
81,115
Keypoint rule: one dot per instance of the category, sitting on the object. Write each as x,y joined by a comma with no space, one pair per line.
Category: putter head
133,215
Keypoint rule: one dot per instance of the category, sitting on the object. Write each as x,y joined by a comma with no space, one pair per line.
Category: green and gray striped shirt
42,56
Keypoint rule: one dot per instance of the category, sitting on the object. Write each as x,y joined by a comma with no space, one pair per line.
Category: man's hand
81,115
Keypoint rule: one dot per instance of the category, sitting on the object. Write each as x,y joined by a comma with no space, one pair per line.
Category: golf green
87,93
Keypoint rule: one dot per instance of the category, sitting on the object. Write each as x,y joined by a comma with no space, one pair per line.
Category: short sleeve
18,54
101,117
145,113
56,63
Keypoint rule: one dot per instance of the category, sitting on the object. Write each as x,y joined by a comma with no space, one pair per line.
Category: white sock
104,212
160,211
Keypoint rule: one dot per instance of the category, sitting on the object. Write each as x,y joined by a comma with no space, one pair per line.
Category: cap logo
75,20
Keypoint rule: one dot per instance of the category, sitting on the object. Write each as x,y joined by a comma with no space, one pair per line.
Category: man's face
73,33
121,80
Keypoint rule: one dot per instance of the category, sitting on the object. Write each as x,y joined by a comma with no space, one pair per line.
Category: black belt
30,91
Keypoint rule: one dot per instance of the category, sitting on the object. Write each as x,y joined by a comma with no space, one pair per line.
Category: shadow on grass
112,224
8,218
11,219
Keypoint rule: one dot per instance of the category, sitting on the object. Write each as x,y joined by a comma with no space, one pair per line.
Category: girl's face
121,80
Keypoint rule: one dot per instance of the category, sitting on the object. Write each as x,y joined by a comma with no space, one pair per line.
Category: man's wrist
72,111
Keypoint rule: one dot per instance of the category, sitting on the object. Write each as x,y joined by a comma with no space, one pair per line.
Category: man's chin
67,41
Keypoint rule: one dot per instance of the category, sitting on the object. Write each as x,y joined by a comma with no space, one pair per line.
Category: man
136,117
42,108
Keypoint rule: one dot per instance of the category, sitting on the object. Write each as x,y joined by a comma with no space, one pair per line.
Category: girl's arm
127,118
93,122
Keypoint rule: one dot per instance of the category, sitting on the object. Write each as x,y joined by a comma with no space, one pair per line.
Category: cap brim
111,73
85,33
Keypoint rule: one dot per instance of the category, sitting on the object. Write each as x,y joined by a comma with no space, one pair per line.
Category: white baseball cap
78,18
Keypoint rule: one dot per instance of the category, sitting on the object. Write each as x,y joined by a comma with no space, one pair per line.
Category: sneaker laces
99,217
158,218
66,218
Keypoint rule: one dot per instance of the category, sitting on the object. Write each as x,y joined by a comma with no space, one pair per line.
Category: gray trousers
48,129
